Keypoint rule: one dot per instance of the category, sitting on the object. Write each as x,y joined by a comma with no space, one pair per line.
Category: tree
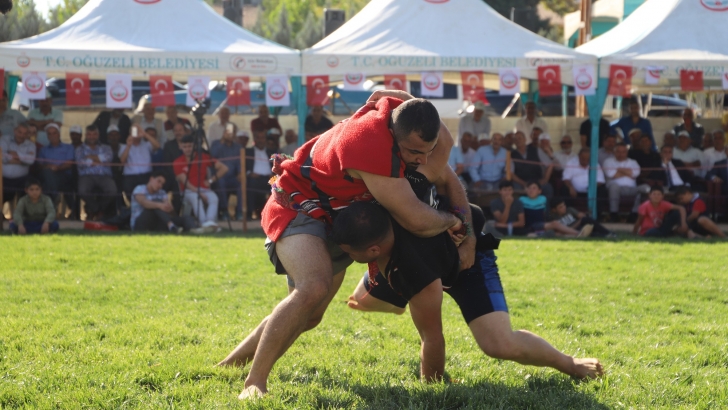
561,7
525,13
282,33
59,14
23,21
311,32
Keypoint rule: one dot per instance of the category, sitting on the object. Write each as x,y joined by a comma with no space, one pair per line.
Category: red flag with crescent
620,80
317,90
395,82
473,87
691,80
162,90
238,89
78,90
549,80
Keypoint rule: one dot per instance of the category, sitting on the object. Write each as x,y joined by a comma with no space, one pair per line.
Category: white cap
52,125
112,128
274,131
683,133
633,130
242,133
544,137
76,128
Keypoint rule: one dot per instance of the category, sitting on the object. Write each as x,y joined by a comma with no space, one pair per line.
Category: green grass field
115,321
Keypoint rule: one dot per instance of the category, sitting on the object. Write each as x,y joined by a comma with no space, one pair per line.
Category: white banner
725,80
584,80
431,84
652,75
276,91
34,85
354,82
197,89
118,91
510,81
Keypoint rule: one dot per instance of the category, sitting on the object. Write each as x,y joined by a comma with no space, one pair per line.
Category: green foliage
525,13
59,14
561,7
22,21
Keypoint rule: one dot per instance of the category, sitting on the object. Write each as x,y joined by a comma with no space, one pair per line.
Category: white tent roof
671,35
405,36
142,37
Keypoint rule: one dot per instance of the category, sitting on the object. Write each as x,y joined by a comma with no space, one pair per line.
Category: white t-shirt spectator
692,154
563,158
55,115
579,176
26,153
261,166
475,128
526,126
610,169
139,160
711,156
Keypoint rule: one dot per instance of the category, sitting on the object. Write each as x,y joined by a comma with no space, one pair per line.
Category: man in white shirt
607,149
691,156
526,124
136,155
148,120
576,176
43,115
18,156
716,152
622,173
476,123
218,127
565,154
258,171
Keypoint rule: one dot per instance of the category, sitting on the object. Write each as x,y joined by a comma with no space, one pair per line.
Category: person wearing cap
115,117
18,155
545,151
56,161
635,120
316,122
43,115
227,151
9,118
476,123
272,140
136,155
258,172
264,122
218,128
147,120
634,136
76,133
585,132
687,153
566,153
96,185
527,123
291,143
695,131
242,137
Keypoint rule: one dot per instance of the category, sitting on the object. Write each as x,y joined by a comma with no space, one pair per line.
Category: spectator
607,149
576,176
56,160
107,119
696,214
272,140
152,211
456,162
35,212
468,146
585,132
508,212
694,130
258,169
219,127
316,122
171,151
173,119
291,143
707,141
715,153
719,174
227,151
635,120
526,166
191,171
265,122
508,141
659,218
526,124
577,220
634,136
622,173
670,174
148,120
534,208
489,164
157,153
669,139
476,123
136,156
565,154
113,138
645,156
691,156
9,118
76,133
96,185
42,116
242,138
545,152
18,156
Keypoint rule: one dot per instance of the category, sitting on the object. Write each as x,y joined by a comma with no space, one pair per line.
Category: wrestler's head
364,231
415,126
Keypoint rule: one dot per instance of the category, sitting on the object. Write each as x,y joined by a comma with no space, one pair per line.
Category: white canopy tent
143,37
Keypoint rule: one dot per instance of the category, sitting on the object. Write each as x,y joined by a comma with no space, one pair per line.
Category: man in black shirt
317,123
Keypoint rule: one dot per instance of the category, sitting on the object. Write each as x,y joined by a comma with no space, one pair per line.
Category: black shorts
477,291
697,228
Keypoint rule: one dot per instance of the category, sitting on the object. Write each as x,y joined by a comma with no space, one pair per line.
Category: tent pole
595,105
301,107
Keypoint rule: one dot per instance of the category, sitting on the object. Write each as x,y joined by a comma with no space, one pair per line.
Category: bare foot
586,368
252,393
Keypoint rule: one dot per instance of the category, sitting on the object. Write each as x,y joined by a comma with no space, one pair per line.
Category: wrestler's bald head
417,116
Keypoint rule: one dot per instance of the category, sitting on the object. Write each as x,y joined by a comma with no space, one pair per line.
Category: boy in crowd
508,212
151,209
659,218
35,212
695,211
574,219
534,208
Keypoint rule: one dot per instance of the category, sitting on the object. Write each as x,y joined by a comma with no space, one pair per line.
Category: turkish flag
549,80
317,89
620,80
2,80
162,90
395,82
691,80
473,87
238,89
78,91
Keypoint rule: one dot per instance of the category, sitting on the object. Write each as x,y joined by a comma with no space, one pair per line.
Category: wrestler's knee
313,292
313,322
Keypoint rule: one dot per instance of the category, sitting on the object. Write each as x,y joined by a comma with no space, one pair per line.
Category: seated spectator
585,132
634,136
291,143
219,127
621,173
96,185
696,213
565,154
526,166
694,130
116,118
316,123
171,151
669,139
227,151
635,120
659,218
534,209
76,133
152,211
242,137
476,123
258,170
545,152
56,160
265,122
9,118
173,119
18,156
468,146
272,140
148,120
647,159
715,153
530,120
691,156
456,162
577,221
707,141
35,212
508,212
42,116
508,141
719,174
489,165
191,171
576,177
113,138
670,174
136,155
607,149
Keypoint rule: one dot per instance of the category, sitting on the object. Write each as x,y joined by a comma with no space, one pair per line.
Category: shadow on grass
225,234
676,240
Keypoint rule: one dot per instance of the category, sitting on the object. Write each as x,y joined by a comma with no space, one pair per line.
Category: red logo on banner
620,80
238,90
78,92
23,60
276,91
715,5
691,80
162,90
473,88
549,80
33,83
118,92
317,88
395,82
332,61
